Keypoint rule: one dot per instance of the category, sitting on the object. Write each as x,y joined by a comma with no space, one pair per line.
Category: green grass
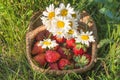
14,19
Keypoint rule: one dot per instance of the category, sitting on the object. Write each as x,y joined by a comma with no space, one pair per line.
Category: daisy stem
49,35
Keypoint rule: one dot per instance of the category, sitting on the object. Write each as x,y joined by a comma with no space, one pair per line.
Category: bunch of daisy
62,22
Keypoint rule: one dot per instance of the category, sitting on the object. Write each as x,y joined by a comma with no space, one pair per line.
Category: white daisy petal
45,13
68,5
90,32
57,11
62,5
47,8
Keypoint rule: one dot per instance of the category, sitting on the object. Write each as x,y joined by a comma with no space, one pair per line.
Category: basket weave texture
36,26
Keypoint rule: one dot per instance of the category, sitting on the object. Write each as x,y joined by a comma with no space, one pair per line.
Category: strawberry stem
66,51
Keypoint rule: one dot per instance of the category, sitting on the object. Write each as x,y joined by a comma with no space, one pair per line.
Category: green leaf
29,13
102,10
106,12
104,42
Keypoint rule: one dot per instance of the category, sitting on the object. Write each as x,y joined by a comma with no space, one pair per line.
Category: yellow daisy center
74,15
46,43
71,24
51,15
60,24
64,12
84,37
70,32
59,33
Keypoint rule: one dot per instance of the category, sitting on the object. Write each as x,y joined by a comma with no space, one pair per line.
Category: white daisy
73,23
65,11
59,34
48,43
72,33
85,38
61,24
48,17
50,12
76,15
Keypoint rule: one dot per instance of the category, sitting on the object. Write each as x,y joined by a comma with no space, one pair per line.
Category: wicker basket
36,26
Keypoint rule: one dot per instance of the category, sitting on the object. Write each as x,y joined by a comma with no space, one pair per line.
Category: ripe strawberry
61,52
79,49
54,66
59,40
40,58
40,35
70,43
37,49
63,63
65,53
52,56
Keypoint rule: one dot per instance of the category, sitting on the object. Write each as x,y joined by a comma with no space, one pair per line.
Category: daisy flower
48,16
76,15
72,33
48,43
65,11
73,23
85,38
61,24
50,12
59,34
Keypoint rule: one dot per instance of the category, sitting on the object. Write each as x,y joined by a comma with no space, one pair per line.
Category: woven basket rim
29,39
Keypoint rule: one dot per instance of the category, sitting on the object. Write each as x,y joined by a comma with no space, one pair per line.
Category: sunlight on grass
14,20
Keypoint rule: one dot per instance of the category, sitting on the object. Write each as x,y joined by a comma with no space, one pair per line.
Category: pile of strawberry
67,54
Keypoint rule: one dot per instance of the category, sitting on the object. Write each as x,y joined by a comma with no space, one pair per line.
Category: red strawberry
59,40
40,58
61,52
88,56
37,49
70,43
40,35
78,51
52,56
54,66
65,53
63,63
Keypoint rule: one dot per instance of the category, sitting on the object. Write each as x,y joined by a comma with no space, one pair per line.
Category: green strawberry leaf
79,45
81,61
